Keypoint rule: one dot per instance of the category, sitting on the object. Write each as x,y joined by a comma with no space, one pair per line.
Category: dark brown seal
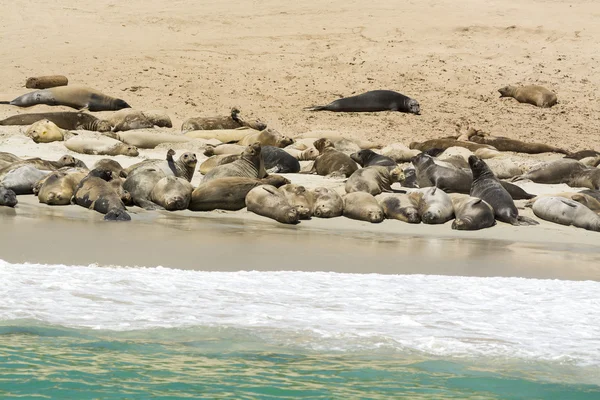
97,193
45,82
507,144
372,101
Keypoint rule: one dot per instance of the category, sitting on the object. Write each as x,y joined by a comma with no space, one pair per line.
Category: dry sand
273,58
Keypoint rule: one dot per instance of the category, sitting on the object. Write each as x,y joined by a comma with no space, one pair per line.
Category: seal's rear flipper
315,108
4,102
525,221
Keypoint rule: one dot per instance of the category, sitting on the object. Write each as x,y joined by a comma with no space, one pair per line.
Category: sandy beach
274,58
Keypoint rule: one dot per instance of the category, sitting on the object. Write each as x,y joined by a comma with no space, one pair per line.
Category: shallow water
99,332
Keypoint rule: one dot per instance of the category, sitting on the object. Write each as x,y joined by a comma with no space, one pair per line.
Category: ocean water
138,333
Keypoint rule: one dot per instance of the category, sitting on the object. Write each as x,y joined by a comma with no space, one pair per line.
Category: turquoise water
83,332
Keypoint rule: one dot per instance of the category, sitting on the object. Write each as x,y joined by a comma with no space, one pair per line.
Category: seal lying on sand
433,204
444,143
74,96
279,161
8,198
447,179
111,165
22,179
149,140
45,131
249,165
140,185
488,188
398,206
231,121
300,198
374,100
212,162
331,162
399,152
96,193
64,120
374,179
368,158
100,145
184,167
327,203
362,206
531,94
566,212
172,193
267,137
128,119
559,171
507,144
58,188
269,202
471,213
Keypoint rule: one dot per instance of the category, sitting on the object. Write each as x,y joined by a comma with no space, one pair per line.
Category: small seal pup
487,187
97,193
530,94
267,201
8,198
148,140
100,145
448,179
64,120
331,162
372,101
374,179
433,204
229,193
300,198
502,143
250,165
74,96
172,193
471,213
279,161
362,206
566,212
231,121
327,203
368,158
398,206
45,131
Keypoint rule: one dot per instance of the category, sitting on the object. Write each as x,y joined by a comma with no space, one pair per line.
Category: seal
229,193
268,201
559,171
184,167
97,193
593,193
223,135
158,118
231,121
140,186
579,155
149,140
300,198
332,163
45,82
374,179
64,120
488,188
128,119
111,165
588,178
214,161
267,137
172,193
368,158
410,178
74,96
582,198
58,187
516,192
45,131
504,168
448,179
279,161
224,149
249,165
433,204
530,94
38,163
502,143
566,212
8,198
9,157
452,162
327,203
372,101
308,154
362,206
22,178
398,206
100,145
471,213
445,143
307,139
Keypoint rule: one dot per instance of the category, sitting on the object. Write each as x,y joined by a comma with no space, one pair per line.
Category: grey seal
372,101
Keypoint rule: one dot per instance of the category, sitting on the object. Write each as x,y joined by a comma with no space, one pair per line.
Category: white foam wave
447,316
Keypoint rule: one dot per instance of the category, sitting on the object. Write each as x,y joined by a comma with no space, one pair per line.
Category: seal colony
465,178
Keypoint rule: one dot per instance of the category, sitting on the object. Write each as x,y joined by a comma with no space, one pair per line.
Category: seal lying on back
507,144
327,203
64,120
374,100
374,179
362,206
249,165
97,193
8,198
368,158
566,212
488,188
269,202
433,204
74,96
471,213
531,94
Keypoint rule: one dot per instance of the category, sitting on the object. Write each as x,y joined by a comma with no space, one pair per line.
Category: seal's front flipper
525,221
85,109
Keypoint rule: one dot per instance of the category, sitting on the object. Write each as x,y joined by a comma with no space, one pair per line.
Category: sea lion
445,143
149,140
433,204
372,101
229,193
398,206
367,158
231,121
559,171
308,154
140,186
507,144
64,120
45,131
184,167
172,193
297,196
223,149
327,203
579,155
362,206
58,187
374,179
566,212
45,82
269,202
224,135
74,96
111,165
250,165
279,161
267,137
212,162
8,197
331,162
488,188
100,145
530,94
448,179
471,213
96,193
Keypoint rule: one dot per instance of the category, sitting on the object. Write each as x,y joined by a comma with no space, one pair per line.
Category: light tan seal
58,188
100,145
471,213
223,135
149,140
212,162
267,137
399,152
231,121
172,193
46,131
530,94
327,203
434,205
222,149
299,197
374,179
267,201
362,206
566,212
398,206
249,165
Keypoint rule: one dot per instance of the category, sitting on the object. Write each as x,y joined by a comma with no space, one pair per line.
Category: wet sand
236,241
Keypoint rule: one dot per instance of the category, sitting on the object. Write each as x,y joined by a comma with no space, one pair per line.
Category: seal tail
4,102
315,108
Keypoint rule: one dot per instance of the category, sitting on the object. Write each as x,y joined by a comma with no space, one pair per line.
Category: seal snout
430,217
117,215
9,198
375,216
175,203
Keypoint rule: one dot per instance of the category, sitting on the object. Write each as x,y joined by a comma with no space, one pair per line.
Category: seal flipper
524,221
316,108
116,214
4,102
148,205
